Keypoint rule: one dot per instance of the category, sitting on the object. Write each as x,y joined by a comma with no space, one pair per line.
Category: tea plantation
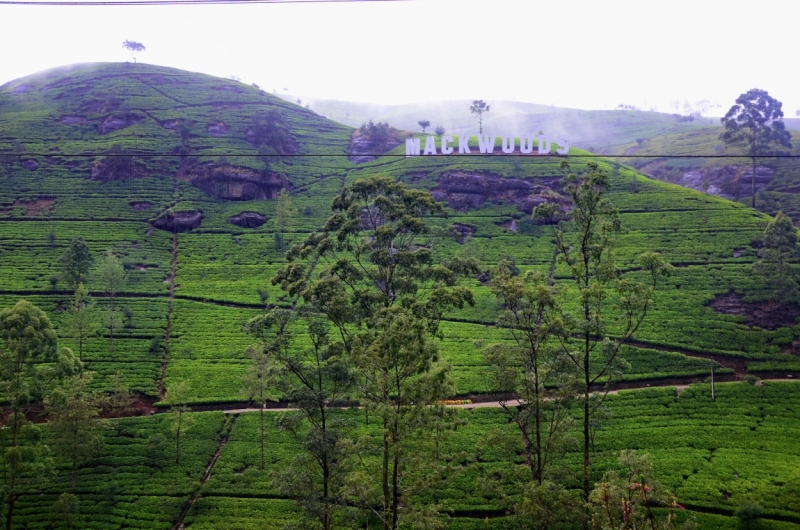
196,274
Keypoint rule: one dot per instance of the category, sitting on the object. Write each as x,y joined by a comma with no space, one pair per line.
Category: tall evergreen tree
75,262
384,297
522,366
81,319
27,339
74,411
605,299
755,125
113,277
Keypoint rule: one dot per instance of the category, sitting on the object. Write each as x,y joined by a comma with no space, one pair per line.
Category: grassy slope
701,148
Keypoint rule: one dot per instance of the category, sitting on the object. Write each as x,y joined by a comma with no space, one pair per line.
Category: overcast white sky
586,54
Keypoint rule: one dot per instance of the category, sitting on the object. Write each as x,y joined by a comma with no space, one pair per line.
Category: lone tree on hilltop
439,130
133,47
424,124
755,125
478,107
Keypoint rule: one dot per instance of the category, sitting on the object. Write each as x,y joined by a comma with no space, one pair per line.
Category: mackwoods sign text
486,145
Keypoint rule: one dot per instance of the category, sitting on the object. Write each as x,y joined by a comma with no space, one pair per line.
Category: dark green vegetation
191,215
712,455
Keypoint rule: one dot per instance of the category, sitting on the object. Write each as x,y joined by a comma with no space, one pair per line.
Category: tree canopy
478,107
755,125
133,47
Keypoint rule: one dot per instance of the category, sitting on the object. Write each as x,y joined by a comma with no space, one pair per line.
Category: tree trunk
262,435
111,322
395,495
586,462
385,475
10,515
753,185
178,442
538,410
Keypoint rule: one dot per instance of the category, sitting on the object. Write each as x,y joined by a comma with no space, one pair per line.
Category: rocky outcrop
729,182
217,129
228,182
115,123
465,191
30,164
248,220
179,221
463,231
73,120
362,149
766,315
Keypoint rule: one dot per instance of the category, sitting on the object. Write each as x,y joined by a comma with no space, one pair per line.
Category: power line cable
74,3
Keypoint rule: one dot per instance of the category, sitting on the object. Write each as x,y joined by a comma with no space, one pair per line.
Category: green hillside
159,165
719,169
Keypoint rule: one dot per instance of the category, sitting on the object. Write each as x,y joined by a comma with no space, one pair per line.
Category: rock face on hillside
248,220
362,149
238,183
116,123
179,221
464,191
766,315
729,182
463,231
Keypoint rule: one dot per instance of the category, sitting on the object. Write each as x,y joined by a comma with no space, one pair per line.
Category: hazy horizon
570,54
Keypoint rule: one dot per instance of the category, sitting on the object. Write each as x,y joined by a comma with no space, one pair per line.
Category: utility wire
173,2
381,155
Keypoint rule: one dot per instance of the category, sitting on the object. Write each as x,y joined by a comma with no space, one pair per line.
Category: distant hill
599,131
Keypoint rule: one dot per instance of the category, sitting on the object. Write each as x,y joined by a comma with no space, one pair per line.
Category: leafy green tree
606,301
269,129
178,396
27,339
113,277
74,411
65,510
532,317
378,134
777,255
313,379
384,297
755,125
119,397
749,514
624,499
133,47
478,107
75,262
439,130
271,336
81,319
118,164
424,124
548,506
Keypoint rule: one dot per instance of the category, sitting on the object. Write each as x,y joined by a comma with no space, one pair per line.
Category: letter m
412,146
